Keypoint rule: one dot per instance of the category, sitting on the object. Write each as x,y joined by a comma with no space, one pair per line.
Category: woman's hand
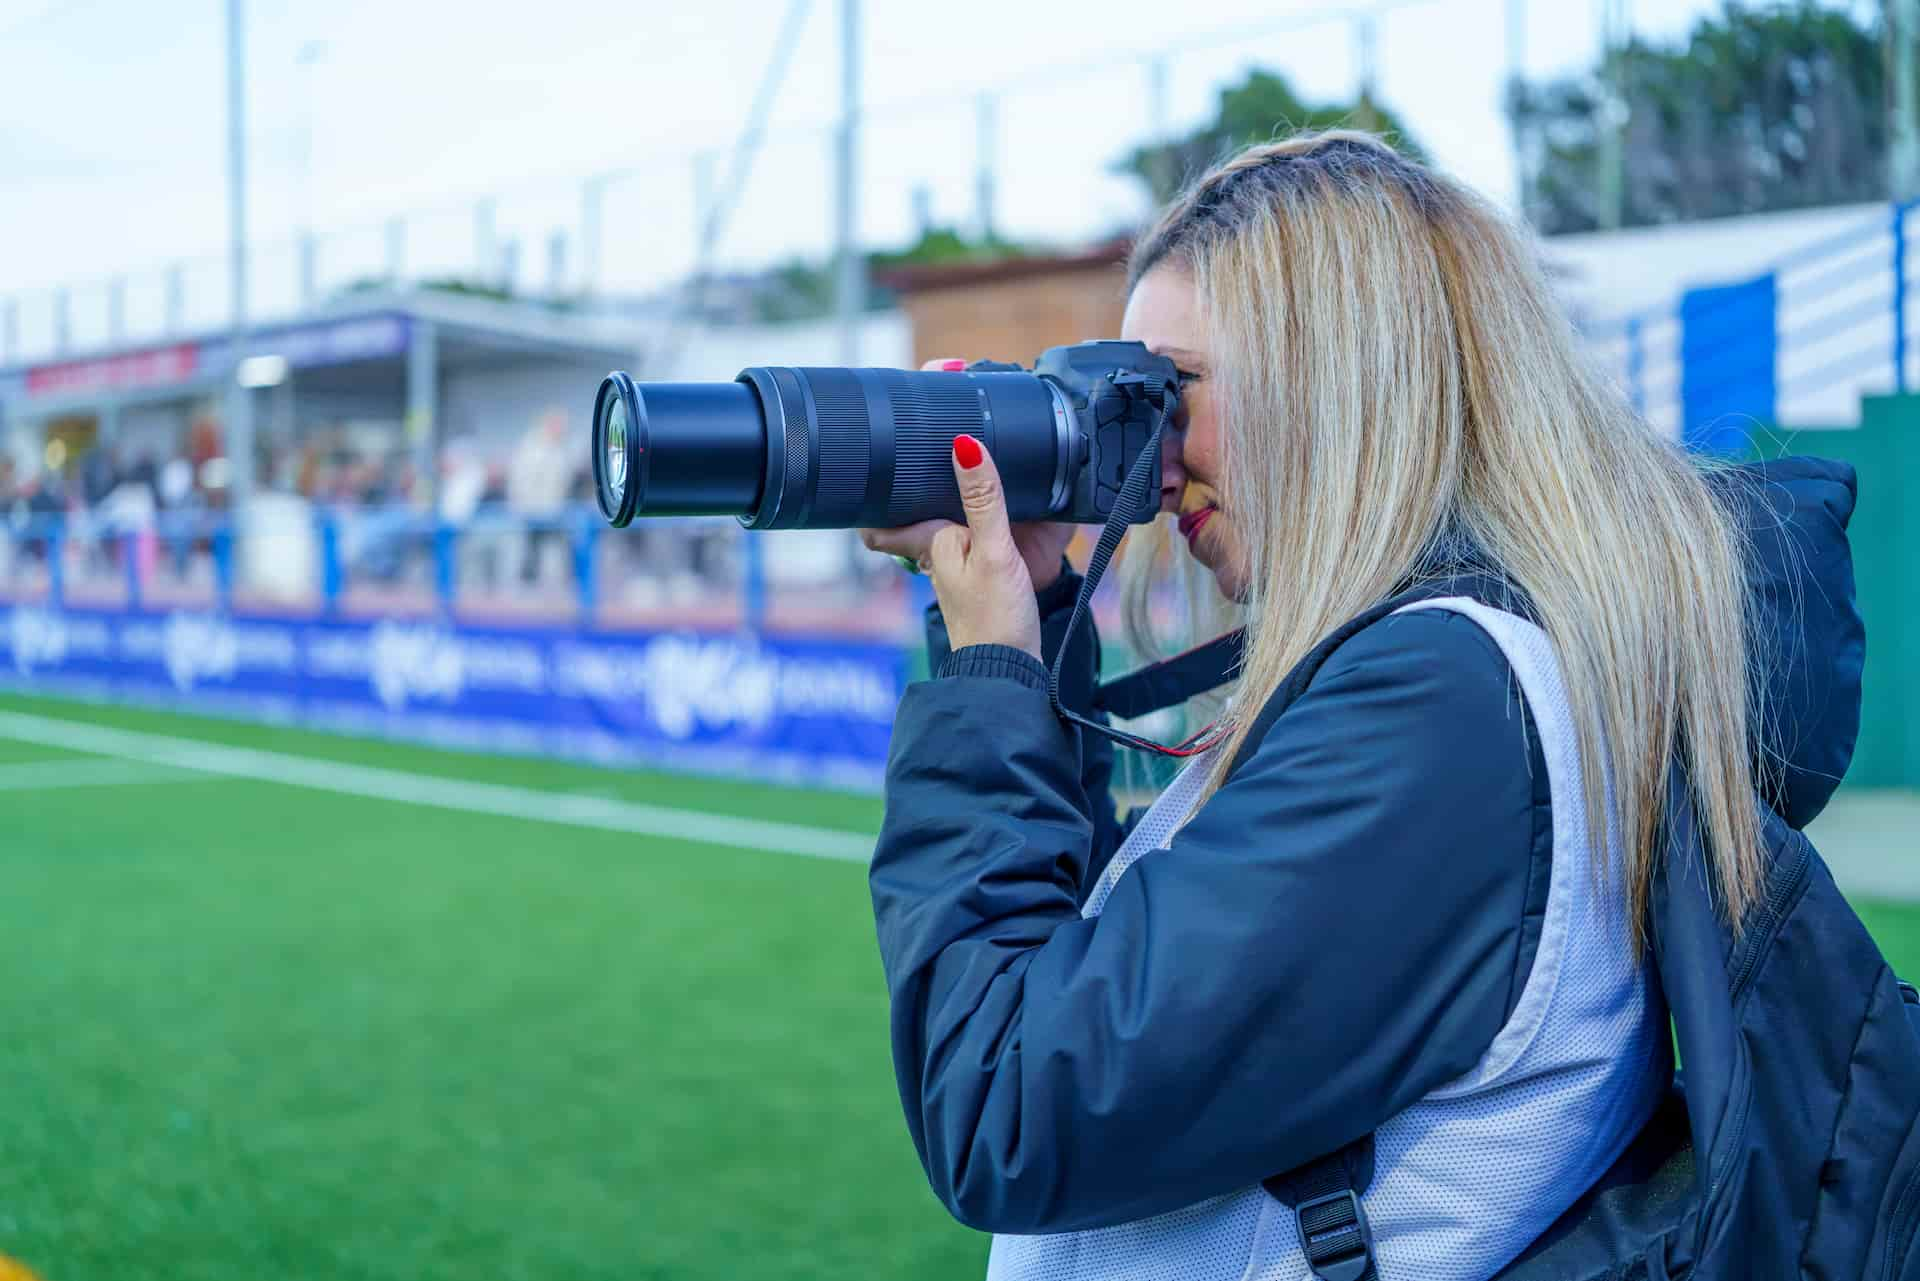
1042,545
980,573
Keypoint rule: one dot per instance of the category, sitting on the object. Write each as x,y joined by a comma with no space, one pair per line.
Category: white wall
1833,307
497,403
1608,273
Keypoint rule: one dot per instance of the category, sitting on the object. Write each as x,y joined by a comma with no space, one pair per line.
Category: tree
1759,108
804,290
943,245
1260,108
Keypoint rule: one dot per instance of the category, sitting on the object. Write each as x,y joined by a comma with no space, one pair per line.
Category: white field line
533,804
40,776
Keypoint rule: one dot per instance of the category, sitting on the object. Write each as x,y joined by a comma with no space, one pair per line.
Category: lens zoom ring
799,458
929,410
844,444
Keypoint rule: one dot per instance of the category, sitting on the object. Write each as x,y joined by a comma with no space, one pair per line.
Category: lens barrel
676,449
827,448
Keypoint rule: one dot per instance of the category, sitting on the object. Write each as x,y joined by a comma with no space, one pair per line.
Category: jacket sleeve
1077,680
1333,935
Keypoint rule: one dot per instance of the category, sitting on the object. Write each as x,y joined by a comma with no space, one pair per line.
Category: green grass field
252,1031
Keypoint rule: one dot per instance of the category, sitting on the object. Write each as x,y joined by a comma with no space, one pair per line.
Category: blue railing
349,542
1836,327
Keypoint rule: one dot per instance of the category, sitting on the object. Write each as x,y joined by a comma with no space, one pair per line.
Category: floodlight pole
851,292
1903,42
1366,56
1613,41
239,399
1516,88
1160,159
309,54
986,133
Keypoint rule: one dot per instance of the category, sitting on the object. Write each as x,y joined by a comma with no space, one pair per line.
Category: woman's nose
1173,473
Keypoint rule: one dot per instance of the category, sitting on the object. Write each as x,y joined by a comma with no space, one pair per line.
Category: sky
113,143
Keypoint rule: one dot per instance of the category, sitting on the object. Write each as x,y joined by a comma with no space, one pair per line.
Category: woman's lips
1191,522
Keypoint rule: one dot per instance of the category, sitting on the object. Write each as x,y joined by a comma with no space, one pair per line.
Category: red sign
154,368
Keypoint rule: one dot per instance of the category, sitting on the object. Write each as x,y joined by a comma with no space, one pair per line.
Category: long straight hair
1391,368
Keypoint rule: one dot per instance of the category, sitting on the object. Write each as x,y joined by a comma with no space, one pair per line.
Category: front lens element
616,445
619,448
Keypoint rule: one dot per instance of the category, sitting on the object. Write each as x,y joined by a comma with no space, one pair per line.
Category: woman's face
1164,313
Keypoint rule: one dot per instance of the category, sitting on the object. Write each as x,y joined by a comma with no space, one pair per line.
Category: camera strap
1173,680
1137,692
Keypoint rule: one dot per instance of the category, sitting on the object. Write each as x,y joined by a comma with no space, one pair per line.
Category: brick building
1015,308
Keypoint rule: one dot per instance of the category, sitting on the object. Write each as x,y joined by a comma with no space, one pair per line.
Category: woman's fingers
912,541
948,364
980,495
984,586
947,558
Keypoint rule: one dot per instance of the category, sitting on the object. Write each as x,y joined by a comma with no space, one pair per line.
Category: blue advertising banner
770,707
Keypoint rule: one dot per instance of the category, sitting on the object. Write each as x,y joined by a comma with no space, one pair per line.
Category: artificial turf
252,1031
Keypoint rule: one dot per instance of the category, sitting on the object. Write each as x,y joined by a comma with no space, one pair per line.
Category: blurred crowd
368,482
540,476
351,500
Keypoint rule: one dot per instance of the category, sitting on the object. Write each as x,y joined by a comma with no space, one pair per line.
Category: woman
1411,904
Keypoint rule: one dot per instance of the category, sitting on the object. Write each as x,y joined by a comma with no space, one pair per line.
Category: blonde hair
1393,370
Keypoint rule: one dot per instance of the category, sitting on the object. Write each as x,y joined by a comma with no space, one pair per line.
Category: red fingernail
953,366
968,451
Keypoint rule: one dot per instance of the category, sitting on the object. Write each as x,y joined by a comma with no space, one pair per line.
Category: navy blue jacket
1341,929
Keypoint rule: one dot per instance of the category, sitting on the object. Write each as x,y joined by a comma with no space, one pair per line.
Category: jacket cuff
996,661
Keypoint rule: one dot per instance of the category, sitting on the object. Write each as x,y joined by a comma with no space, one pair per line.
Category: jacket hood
1807,641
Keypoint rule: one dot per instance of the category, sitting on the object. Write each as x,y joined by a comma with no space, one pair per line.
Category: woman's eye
1188,375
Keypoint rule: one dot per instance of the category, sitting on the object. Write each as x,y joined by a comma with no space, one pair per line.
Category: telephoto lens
836,448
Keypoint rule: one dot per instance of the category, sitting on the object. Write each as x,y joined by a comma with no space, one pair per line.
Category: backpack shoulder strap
1324,1196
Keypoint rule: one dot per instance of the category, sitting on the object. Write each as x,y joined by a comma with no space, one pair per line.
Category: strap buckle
1336,1237
1154,389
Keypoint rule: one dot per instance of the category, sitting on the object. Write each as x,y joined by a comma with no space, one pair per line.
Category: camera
838,448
